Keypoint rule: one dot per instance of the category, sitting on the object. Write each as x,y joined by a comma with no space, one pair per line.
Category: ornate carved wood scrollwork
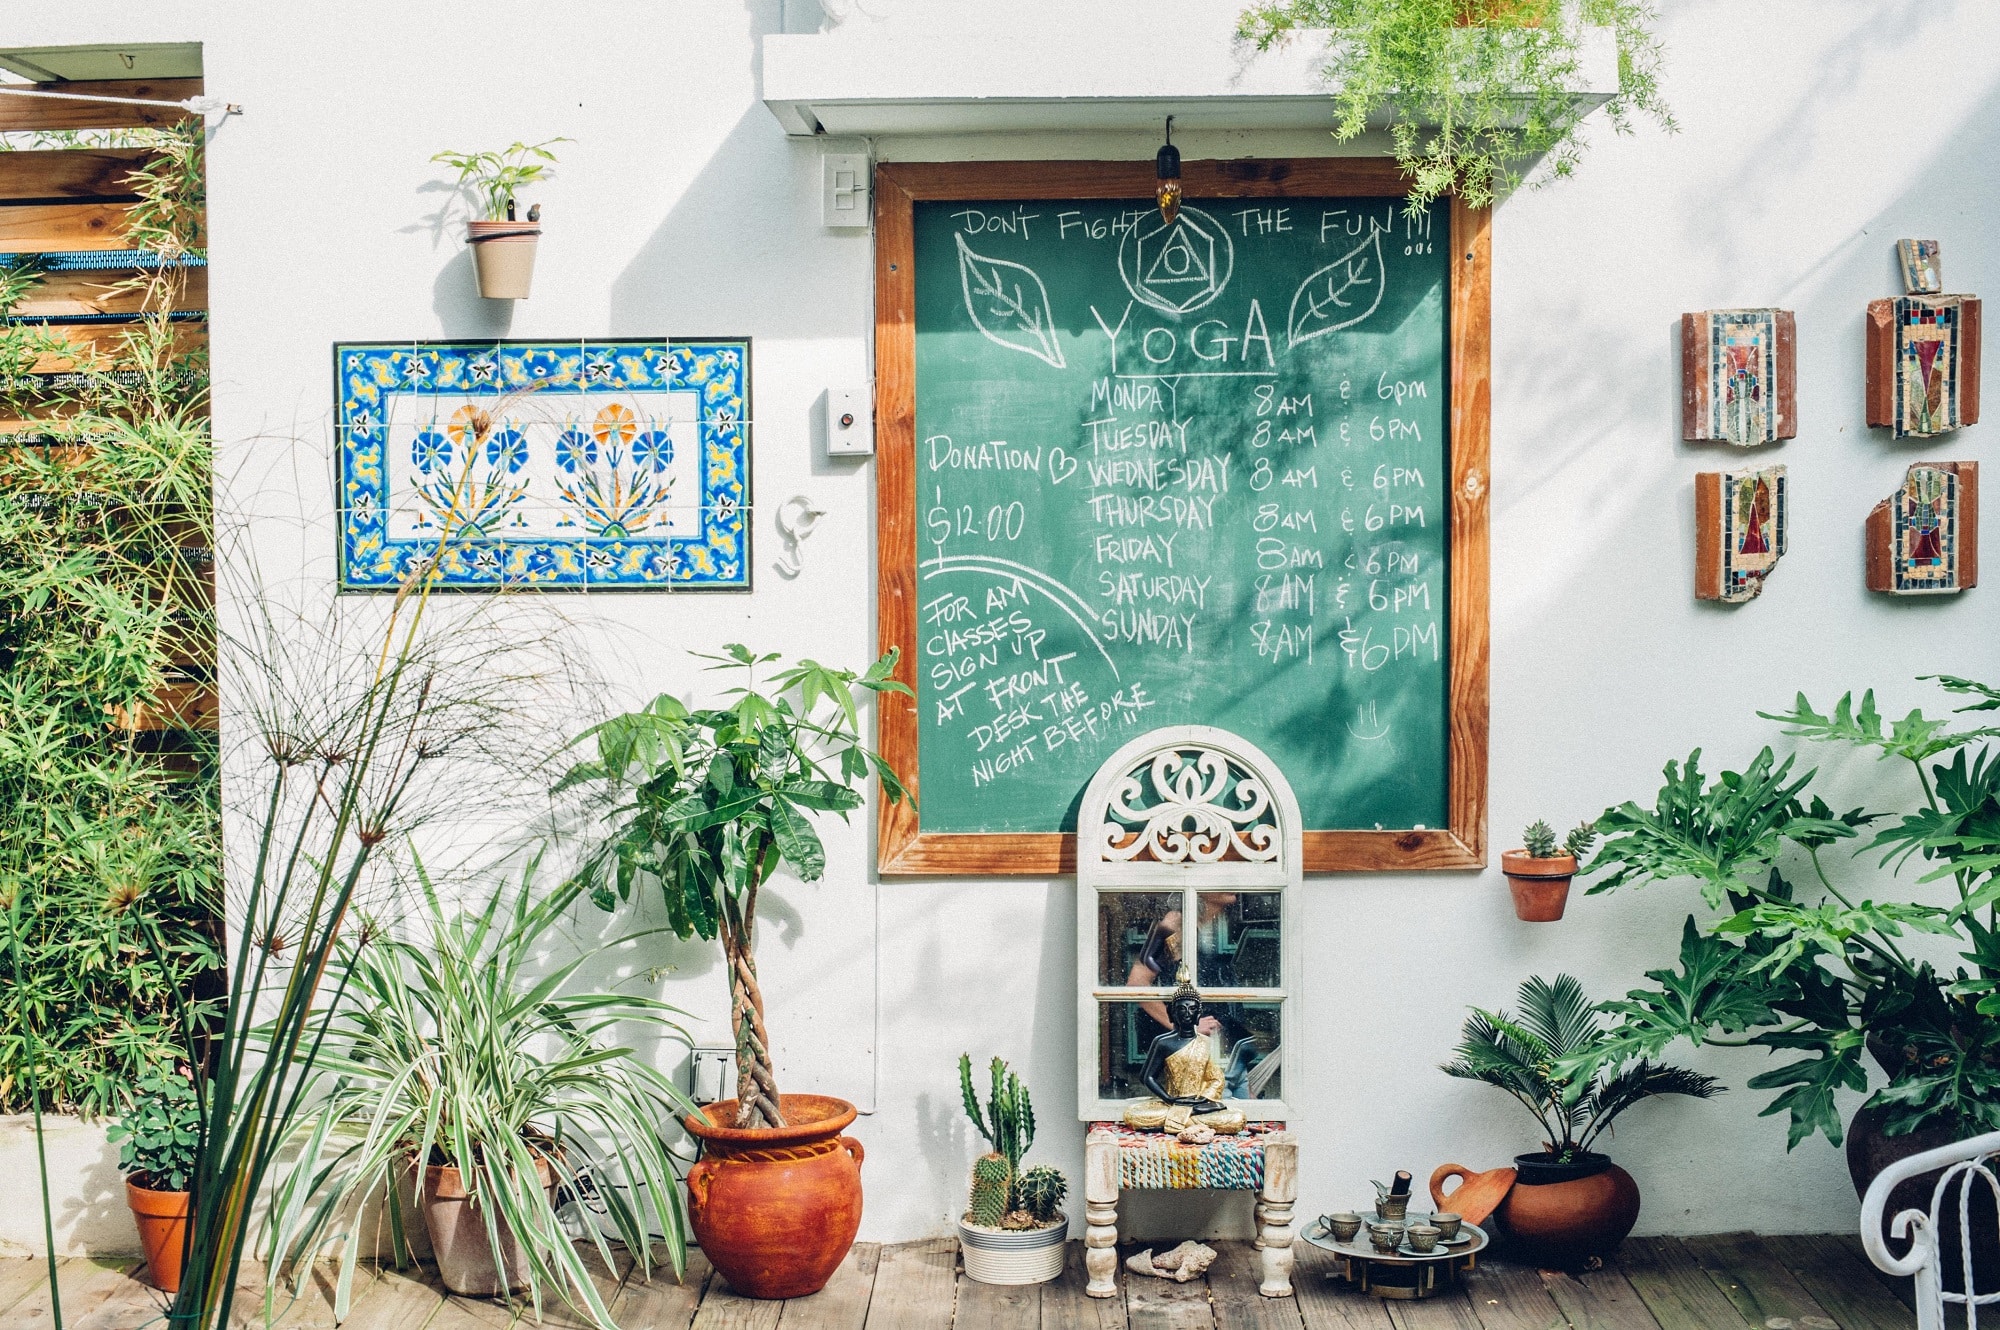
1201,808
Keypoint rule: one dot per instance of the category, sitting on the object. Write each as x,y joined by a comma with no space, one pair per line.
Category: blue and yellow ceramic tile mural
545,464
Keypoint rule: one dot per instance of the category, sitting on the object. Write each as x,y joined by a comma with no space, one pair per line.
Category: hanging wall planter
1538,876
503,245
503,257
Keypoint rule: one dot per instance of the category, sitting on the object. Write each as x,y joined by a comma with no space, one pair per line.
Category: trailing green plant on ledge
1474,91
1802,960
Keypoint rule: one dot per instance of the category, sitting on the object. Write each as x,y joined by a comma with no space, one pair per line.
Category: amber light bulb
1167,169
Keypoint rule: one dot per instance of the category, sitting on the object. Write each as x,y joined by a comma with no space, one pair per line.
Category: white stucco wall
1813,133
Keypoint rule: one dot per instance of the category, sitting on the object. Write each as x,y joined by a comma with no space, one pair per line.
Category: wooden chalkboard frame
902,847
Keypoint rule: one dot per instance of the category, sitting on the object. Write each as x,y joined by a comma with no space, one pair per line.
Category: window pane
1239,940
1138,938
1244,1035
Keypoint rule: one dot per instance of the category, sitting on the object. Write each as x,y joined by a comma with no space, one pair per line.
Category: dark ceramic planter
1563,1215
1870,1150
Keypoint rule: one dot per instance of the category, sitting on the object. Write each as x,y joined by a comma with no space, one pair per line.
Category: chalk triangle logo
1176,266
1177,262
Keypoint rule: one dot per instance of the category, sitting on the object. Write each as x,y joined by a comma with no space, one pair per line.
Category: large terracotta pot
775,1210
1870,1150
459,1241
162,1219
1561,1215
1540,886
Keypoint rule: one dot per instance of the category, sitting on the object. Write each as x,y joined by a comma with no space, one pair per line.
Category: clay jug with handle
1477,1195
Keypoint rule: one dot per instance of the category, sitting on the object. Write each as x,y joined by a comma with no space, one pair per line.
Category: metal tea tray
1402,1273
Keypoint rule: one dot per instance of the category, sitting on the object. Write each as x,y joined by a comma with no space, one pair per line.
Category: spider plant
470,1046
1519,1055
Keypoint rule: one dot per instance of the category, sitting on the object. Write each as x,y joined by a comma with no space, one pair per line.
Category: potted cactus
1538,874
1014,1230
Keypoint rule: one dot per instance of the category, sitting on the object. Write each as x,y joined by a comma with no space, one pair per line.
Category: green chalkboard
1186,473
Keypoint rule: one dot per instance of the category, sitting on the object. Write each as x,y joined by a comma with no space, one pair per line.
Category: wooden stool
1264,1158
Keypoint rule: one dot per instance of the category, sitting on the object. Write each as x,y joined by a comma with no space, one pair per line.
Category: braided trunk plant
712,802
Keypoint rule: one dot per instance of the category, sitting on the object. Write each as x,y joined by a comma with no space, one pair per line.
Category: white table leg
1100,1214
1274,1213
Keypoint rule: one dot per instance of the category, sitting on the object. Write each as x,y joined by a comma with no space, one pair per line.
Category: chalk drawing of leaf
1340,295
1008,303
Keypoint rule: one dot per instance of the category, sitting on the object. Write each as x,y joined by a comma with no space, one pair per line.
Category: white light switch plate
850,423
843,180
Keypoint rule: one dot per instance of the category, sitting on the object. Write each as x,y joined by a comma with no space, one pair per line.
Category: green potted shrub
1474,91
709,803
470,1051
1539,873
1013,1230
157,1139
1800,958
503,245
1569,1202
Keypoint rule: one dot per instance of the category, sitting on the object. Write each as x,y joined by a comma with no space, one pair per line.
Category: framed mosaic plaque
558,465
1742,523
1924,538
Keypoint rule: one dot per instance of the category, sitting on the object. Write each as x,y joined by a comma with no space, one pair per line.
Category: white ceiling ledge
868,80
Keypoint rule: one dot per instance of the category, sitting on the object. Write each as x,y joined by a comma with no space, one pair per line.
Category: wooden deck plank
1849,1291
403,1300
1675,1288
20,1277
1751,1276
309,1308
996,1306
1065,1306
17,113
1599,1300
1232,1291
1163,1304
661,1303
1449,1309
85,1283
843,1303
1506,1296
723,1308
1902,1290
915,1286
1325,1301
130,1307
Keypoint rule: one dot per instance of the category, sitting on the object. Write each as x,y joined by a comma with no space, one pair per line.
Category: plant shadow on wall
1478,93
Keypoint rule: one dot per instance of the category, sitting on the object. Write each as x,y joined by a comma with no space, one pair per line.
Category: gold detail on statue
1183,1074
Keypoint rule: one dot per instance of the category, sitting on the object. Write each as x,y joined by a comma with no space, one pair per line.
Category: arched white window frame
1190,866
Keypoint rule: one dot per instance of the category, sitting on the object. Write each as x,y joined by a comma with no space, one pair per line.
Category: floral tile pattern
545,464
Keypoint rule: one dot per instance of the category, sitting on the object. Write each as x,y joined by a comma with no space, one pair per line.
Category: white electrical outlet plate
843,178
850,423
712,1074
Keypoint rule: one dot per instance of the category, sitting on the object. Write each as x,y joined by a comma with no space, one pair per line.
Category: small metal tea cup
1448,1225
1422,1237
1392,1209
1385,1237
1343,1225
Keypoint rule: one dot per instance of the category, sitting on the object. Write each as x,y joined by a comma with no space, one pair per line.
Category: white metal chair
1963,1162
1191,820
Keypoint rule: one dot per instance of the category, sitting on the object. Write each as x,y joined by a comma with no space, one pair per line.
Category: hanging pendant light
1167,168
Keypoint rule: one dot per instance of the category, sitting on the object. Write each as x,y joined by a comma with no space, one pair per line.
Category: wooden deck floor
1725,1282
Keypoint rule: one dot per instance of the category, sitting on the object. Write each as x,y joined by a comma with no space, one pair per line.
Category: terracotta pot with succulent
1014,1230
157,1139
1801,958
503,245
1475,93
1568,1203
474,1047
709,804
1538,874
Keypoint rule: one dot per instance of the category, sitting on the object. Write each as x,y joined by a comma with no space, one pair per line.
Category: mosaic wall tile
1738,375
545,464
1923,364
1741,521
1924,538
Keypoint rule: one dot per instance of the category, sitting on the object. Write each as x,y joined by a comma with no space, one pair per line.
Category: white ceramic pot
1013,1255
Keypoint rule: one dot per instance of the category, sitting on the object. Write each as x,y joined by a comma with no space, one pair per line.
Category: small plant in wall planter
1014,1229
157,1140
1538,874
503,244
1474,91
